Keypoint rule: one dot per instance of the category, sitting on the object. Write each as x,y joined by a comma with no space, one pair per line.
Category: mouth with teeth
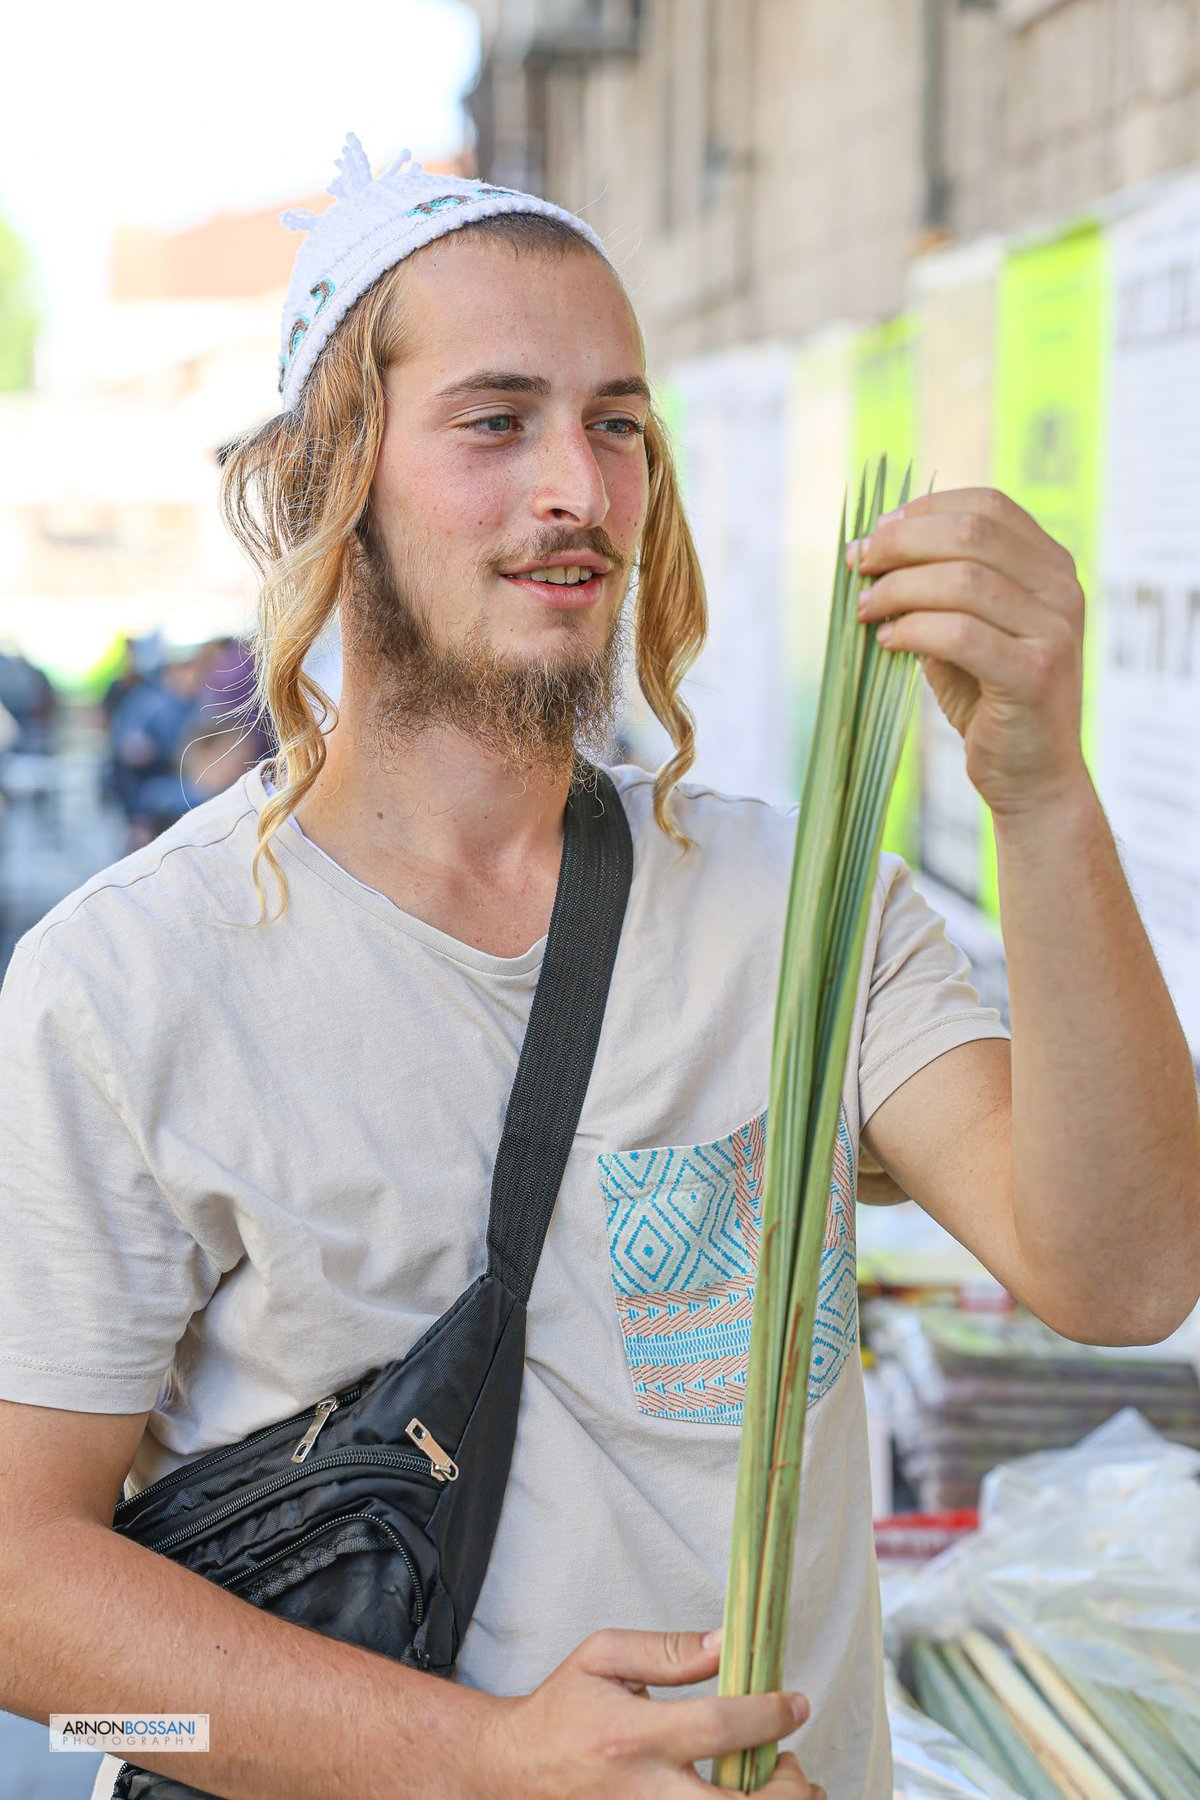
560,585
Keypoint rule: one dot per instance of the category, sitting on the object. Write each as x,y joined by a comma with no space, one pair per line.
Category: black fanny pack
371,1516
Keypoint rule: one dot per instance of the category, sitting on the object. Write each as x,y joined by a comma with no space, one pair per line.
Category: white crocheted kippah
374,225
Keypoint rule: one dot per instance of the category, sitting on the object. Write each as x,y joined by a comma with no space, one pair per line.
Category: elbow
1126,1335
1157,1326
1127,1301
1131,1324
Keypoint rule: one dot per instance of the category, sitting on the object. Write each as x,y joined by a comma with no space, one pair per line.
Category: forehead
470,301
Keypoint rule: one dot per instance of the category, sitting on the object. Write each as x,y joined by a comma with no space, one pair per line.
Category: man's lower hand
592,1732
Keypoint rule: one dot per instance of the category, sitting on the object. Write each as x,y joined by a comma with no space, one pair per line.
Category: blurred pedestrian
27,692
221,738
128,676
230,699
10,731
131,674
147,738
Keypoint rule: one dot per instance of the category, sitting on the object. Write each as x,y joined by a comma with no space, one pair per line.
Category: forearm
1105,1119
91,1623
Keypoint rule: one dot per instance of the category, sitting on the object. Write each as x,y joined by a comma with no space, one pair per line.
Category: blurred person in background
148,732
221,738
140,657
230,699
180,731
10,731
30,702
27,692
129,675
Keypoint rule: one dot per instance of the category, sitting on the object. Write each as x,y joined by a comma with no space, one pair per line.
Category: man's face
503,453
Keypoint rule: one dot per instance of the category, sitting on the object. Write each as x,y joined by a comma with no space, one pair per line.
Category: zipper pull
443,1468
324,1408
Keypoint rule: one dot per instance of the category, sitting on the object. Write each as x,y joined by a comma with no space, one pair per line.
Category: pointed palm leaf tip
866,701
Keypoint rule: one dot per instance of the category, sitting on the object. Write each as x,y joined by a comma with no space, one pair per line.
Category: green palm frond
866,701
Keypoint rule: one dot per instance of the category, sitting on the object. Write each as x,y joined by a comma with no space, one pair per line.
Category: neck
437,802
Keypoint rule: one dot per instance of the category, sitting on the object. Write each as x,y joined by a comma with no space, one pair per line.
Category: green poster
956,298
885,414
1051,331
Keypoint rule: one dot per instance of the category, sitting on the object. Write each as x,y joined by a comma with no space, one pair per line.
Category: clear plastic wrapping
1091,1556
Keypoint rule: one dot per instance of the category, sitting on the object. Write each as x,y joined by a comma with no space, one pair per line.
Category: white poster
1149,736
734,416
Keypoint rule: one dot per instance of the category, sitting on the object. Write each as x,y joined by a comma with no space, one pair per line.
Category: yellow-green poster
1049,412
885,424
955,294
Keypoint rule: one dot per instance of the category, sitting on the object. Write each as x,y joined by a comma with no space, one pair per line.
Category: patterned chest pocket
683,1233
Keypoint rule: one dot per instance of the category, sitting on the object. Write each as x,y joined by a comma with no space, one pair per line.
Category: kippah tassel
355,170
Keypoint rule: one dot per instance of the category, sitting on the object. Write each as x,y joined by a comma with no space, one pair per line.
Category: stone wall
761,167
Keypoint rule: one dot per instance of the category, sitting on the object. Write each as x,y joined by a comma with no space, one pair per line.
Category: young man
247,1160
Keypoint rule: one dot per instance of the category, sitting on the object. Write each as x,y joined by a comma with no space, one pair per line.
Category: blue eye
506,421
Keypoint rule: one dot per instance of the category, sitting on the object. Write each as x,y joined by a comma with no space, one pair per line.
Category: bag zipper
324,1408
381,1455
202,1464
317,1531
444,1468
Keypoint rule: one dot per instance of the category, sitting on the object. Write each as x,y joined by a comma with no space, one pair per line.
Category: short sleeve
920,1002
98,1278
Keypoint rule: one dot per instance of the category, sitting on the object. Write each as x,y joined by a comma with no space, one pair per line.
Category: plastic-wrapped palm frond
866,702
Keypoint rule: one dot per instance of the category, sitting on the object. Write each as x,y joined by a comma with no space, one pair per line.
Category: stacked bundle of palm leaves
865,704
1050,1734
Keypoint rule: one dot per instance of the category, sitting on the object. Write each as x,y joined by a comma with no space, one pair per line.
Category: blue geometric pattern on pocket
683,1229
673,1217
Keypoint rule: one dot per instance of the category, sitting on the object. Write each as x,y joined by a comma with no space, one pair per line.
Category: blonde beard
540,717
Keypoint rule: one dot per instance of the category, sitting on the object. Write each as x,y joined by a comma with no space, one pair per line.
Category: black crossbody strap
563,1030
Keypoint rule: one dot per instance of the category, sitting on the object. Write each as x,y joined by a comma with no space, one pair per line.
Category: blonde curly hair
294,495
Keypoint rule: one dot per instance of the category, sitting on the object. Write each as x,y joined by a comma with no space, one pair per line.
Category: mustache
542,551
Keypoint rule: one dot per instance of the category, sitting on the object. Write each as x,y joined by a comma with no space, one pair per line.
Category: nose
569,487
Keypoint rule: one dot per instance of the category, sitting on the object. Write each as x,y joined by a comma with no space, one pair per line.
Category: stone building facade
761,167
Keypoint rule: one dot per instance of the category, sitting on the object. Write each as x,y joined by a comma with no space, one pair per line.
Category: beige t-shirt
240,1166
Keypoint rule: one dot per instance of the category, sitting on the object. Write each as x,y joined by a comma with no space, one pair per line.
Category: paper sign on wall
1149,711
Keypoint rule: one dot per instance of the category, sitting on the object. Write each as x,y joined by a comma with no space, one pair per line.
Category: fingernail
712,1639
862,545
799,1707
884,634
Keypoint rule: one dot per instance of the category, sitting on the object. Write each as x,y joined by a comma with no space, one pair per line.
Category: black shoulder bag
370,1517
